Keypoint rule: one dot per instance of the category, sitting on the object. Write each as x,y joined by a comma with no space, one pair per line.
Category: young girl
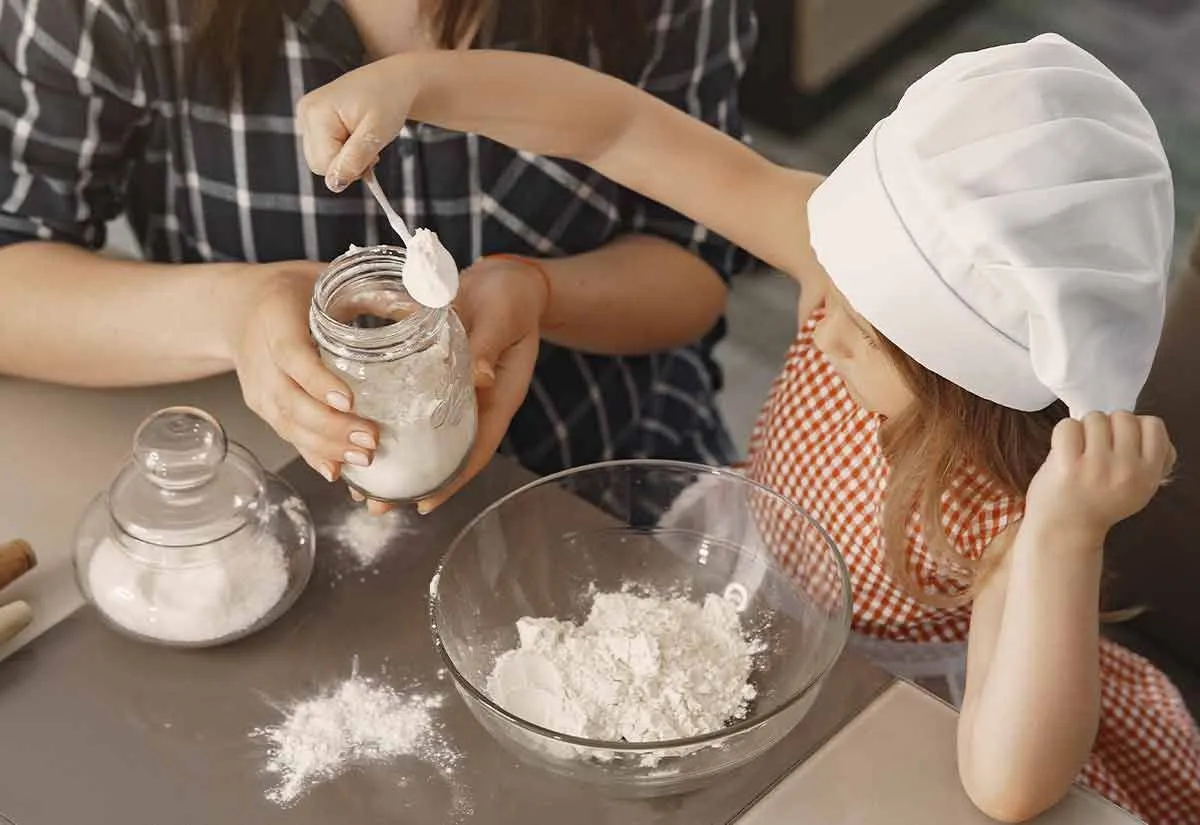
982,289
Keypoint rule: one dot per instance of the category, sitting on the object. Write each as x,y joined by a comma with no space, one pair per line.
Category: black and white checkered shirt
99,116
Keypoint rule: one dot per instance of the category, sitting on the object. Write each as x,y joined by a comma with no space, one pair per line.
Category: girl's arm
556,108
1031,708
1032,704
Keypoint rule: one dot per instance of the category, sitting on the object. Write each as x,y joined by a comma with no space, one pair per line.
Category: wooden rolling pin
16,559
14,617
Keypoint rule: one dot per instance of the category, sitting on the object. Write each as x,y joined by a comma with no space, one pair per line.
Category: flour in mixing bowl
640,669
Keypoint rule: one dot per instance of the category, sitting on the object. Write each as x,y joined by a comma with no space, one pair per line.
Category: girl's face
854,349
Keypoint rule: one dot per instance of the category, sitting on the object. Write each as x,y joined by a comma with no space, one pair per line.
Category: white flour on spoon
430,274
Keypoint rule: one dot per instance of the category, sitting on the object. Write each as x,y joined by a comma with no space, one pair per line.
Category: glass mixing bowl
656,527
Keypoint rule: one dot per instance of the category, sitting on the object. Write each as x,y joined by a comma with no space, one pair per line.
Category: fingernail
334,183
338,401
357,459
327,472
424,508
361,439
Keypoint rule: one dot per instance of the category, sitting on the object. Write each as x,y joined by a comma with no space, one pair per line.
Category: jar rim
358,267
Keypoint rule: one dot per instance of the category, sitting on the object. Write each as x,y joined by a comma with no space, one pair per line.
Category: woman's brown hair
241,37
929,445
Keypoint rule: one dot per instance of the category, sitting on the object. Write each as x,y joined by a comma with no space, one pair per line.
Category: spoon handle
393,217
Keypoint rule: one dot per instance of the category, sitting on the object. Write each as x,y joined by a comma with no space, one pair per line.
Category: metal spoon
393,217
418,289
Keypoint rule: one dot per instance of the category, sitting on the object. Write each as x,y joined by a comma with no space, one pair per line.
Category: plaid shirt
100,116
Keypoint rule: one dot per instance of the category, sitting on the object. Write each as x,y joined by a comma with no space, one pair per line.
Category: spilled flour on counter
358,721
640,669
364,538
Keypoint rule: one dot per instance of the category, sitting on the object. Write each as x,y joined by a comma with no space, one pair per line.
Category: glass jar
408,367
193,544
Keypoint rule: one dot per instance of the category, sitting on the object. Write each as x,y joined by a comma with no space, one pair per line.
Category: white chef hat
1009,227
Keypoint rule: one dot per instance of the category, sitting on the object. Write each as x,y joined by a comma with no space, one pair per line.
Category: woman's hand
1100,471
501,302
282,377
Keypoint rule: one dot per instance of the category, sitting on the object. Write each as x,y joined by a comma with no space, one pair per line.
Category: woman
180,115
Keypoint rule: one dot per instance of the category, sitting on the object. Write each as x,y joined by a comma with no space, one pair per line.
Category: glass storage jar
193,544
408,367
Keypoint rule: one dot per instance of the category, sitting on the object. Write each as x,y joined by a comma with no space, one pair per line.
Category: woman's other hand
283,379
501,301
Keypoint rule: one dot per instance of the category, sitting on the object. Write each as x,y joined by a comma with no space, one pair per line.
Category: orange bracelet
529,262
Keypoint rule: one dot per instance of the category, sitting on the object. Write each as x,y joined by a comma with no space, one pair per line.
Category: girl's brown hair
241,37
928,445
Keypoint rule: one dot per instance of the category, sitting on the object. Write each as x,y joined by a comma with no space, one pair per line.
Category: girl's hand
346,123
282,377
1100,471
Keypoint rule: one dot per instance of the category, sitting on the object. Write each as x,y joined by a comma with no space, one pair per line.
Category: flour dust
359,721
639,669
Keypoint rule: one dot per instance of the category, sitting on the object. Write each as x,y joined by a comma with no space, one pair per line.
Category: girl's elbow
1008,802
1007,791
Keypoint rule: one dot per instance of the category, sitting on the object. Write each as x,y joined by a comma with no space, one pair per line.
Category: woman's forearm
1029,727
635,295
71,316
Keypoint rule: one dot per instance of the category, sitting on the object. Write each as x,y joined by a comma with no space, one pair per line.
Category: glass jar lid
185,483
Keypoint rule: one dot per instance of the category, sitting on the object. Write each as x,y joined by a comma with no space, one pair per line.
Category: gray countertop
95,728
98,730
896,764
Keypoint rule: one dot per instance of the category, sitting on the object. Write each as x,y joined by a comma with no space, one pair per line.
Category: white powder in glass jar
640,669
214,591
426,428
